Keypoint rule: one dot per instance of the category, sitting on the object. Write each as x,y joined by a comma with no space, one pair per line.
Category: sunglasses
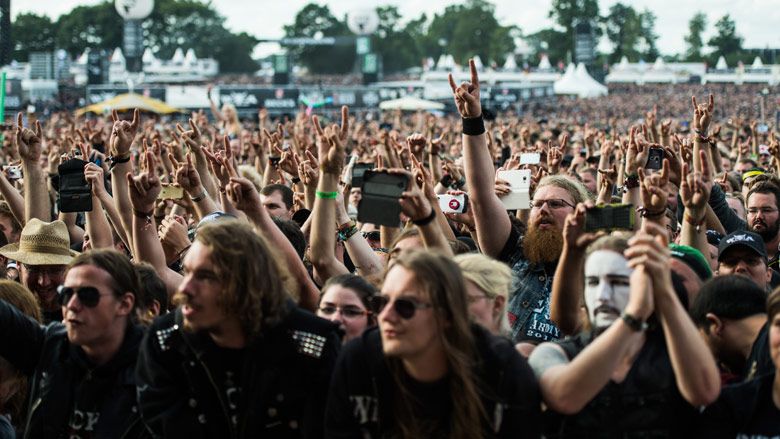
350,312
403,307
88,296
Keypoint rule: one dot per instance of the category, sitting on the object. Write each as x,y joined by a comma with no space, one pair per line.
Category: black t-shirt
226,366
745,411
432,405
6,429
759,362
88,397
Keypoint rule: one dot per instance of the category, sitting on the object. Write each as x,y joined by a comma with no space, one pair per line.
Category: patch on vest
308,343
163,335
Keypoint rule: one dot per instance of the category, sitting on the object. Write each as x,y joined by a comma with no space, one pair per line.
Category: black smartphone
75,193
358,171
609,217
655,158
379,204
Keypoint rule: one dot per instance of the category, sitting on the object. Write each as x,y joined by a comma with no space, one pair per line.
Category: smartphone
274,160
530,158
520,182
763,128
75,193
171,192
609,217
381,191
453,203
584,152
358,170
14,172
655,158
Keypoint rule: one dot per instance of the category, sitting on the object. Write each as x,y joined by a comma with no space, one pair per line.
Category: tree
624,30
649,37
314,20
552,42
398,48
31,33
567,12
726,41
694,39
98,26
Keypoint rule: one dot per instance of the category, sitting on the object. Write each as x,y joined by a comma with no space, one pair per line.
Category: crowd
219,280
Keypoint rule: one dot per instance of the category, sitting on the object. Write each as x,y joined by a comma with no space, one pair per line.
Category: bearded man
763,217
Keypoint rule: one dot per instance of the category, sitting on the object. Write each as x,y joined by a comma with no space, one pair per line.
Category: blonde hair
576,190
491,276
250,173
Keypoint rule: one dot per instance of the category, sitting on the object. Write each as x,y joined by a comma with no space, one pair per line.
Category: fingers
451,80
38,130
711,104
317,127
693,101
474,74
114,116
344,121
136,119
194,127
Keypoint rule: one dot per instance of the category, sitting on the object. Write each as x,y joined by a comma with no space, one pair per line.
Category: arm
36,196
98,229
694,192
730,221
24,348
366,261
14,199
323,238
492,223
122,135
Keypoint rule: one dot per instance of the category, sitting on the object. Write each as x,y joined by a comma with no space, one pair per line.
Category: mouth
74,323
390,333
759,225
188,310
606,309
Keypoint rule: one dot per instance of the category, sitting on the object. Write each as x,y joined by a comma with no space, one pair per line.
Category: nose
73,303
388,314
605,292
337,317
741,267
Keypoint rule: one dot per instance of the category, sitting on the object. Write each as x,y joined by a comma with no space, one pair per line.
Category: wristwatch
636,324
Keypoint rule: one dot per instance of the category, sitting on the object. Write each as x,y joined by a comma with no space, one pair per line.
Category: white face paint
606,286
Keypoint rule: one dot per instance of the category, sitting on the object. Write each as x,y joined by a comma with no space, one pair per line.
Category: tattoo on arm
545,356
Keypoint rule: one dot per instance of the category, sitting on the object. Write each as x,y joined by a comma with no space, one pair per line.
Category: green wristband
326,195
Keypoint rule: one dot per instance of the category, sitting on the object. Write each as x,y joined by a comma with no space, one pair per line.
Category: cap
742,238
692,258
752,173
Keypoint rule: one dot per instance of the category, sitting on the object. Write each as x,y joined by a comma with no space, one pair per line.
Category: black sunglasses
404,307
88,296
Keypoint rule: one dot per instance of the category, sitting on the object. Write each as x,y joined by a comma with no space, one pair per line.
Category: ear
498,304
768,275
154,309
126,303
714,324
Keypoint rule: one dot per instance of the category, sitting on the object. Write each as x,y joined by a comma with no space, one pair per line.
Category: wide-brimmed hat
41,243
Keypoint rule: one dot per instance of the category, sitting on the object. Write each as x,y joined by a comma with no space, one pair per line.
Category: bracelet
116,160
446,180
459,184
634,323
631,181
697,224
200,197
326,195
648,214
147,216
295,180
473,126
345,234
427,220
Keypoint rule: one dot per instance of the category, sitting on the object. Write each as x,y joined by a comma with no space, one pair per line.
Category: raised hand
416,143
123,133
94,176
145,188
695,190
574,236
243,194
187,176
333,160
28,142
702,115
653,190
190,137
467,94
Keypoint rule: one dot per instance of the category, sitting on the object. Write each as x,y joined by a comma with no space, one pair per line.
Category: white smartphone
520,182
530,158
453,203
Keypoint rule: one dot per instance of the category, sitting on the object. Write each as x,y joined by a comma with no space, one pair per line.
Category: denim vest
529,302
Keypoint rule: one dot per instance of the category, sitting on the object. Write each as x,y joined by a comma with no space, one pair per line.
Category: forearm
492,223
730,221
387,235
121,194
366,261
690,236
36,195
308,195
147,248
98,229
434,239
632,197
113,216
75,233
206,179
14,199
567,291
694,366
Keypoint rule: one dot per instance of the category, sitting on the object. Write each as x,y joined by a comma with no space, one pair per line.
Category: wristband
446,180
115,160
697,224
345,233
198,198
635,324
295,180
146,216
326,195
427,220
648,214
459,184
473,126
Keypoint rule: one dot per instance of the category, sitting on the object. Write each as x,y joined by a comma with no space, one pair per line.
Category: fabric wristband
473,126
427,220
633,323
326,195
198,198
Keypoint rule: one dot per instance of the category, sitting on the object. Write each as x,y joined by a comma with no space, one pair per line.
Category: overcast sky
757,20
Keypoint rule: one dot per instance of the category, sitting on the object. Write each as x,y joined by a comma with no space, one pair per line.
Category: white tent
441,62
117,56
721,65
410,103
623,63
148,56
577,81
190,57
178,56
478,62
757,63
544,64
510,63
82,59
659,64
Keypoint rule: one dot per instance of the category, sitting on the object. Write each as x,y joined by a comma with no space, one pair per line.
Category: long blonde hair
491,276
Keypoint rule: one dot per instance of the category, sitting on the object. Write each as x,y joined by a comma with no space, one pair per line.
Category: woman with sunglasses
345,301
426,371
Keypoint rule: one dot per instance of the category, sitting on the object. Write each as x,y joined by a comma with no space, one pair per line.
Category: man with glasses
81,369
744,253
43,252
534,256
763,217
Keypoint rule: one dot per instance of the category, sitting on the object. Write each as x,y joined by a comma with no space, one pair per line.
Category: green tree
398,47
694,40
98,26
726,42
565,13
649,37
553,43
315,19
31,33
624,30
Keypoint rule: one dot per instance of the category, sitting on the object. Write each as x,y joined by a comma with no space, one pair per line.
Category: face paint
606,286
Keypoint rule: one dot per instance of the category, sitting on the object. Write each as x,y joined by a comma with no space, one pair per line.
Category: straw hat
41,244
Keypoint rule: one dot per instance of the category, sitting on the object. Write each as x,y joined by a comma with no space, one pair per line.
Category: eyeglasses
40,270
350,312
474,299
88,296
763,210
554,204
404,307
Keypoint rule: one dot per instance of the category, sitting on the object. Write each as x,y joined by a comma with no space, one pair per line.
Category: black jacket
284,380
363,390
56,368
